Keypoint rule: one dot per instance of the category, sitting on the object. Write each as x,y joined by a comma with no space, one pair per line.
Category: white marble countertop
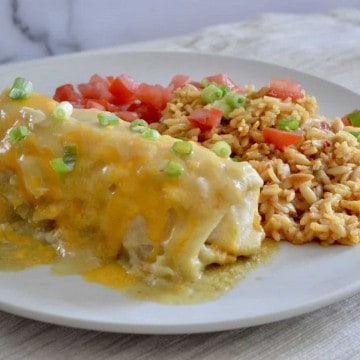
322,44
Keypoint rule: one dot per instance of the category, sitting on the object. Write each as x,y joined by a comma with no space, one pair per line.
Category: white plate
298,279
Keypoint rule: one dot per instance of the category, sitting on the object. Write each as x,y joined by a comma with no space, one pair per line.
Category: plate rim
178,329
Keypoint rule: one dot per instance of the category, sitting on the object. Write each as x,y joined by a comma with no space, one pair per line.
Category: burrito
164,207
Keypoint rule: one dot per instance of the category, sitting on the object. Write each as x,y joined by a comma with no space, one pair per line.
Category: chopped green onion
205,82
65,164
70,152
356,134
221,149
225,89
63,110
224,107
59,165
173,168
150,134
236,159
107,118
70,148
138,126
354,118
21,89
17,134
211,93
288,124
235,100
182,148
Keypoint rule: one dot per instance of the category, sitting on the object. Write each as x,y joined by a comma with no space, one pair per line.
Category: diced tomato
179,81
127,115
352,119
95,90
146,112
114,108
98,79
346,121
123,88
67,93
99,104
155,95
197,84
238,89
281,138
222,79
284,89
206,119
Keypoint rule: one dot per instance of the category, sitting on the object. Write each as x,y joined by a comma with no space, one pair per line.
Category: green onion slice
150,134
356,134
288,124
59,165
21,89
224,88
221,149
205,82
107,118
235,100
70,152
138,126
354,118
65,164
224,107
173,168
182,148
17,134
63,110
211,93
